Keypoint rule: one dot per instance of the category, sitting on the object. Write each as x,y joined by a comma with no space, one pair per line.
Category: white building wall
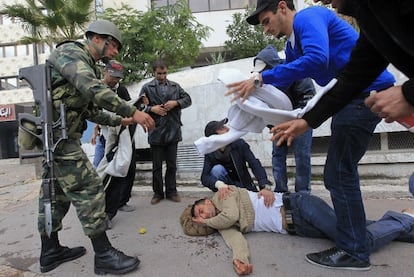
209,103
218,21
11,32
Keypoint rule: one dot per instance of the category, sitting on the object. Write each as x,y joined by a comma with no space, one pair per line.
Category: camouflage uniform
75,83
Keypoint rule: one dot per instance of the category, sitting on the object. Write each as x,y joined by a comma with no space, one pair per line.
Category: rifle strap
110,155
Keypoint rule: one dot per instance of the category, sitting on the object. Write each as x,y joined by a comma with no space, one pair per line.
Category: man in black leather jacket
386,37
166,100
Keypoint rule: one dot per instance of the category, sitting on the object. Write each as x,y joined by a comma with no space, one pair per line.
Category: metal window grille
188,158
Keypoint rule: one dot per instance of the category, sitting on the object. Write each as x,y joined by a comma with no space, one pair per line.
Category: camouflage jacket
76,83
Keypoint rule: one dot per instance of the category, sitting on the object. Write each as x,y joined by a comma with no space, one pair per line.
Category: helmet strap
102,51
107,41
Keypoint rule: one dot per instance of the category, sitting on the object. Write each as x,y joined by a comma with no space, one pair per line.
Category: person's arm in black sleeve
255,165
123,92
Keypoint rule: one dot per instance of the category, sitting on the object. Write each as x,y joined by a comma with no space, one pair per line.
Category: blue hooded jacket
301,91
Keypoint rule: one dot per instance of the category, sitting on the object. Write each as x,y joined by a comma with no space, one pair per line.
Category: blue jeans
313,217
302,151
221,174
352,129
99,152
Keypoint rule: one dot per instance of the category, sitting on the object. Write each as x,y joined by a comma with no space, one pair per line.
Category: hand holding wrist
220,184
267,186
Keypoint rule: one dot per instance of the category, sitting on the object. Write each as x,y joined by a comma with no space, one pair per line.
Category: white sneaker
126,208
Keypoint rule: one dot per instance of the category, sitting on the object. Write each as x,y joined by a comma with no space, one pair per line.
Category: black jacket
386,37
240,154
300,92
167,128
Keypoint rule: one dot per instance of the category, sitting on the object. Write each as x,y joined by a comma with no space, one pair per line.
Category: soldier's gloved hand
242,268
144,119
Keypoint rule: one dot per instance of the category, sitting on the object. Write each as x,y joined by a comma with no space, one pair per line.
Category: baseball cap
115,69
213,126
266,57
253,19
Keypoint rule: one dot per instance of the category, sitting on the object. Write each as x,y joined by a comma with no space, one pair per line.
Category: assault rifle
39,78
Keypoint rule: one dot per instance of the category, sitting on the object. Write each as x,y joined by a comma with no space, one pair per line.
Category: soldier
76,83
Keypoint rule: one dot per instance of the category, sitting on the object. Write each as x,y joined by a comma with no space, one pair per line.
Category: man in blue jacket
319,46
228,164
386,36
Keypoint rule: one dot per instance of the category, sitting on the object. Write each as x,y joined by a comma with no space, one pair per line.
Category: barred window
400,140
206,5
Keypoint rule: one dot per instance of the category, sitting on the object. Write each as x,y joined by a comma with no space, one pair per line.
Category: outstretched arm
238,244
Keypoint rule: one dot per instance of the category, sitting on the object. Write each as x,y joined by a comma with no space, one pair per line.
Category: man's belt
288,214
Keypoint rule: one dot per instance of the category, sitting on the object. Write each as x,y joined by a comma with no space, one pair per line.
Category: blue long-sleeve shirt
322,46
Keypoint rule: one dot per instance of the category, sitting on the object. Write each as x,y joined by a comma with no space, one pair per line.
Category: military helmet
105,27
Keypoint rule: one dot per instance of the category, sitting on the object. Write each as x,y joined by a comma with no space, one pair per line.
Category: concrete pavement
165,251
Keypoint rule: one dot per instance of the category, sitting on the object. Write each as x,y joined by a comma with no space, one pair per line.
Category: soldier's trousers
79,184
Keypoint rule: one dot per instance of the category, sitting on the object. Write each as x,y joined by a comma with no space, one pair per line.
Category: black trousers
167,153
118,191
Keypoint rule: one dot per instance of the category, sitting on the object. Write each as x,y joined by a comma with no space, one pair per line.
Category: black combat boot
109,259
53,254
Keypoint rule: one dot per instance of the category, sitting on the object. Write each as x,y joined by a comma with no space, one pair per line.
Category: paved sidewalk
165,251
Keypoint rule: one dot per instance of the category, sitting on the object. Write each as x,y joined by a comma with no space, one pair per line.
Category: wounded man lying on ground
234,211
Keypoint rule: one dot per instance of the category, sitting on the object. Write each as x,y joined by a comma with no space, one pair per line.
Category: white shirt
267,219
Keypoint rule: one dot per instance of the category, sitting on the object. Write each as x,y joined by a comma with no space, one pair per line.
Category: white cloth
267,219
264,106
122,153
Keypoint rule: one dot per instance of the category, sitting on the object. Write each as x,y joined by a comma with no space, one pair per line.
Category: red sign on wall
7,112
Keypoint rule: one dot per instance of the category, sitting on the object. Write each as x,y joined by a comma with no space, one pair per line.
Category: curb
377,191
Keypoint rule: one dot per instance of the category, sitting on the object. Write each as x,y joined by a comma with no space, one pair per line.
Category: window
163,3
22,50
219,5
43,48
99,7
206,5
199,5
9,51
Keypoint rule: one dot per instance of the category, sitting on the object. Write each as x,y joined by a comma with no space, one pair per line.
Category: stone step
370,191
